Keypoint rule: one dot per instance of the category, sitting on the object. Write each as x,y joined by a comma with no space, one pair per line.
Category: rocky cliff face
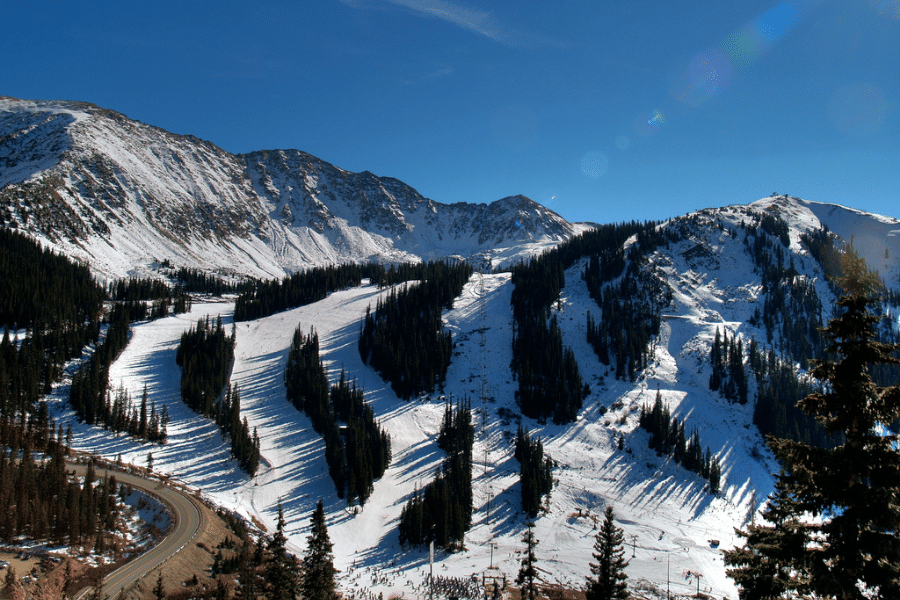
122,195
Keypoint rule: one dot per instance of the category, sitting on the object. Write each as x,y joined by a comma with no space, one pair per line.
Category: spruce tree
281,570
527,577
317,578
835,519
608,579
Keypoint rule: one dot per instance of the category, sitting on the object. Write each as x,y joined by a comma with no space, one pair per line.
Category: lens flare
777,21
857,110
646,124
594,164
888,8
710,72
742,47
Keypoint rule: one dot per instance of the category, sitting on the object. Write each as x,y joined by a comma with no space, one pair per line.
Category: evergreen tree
767,560
850,548
527,577
608,579
250,582
281,570
317,577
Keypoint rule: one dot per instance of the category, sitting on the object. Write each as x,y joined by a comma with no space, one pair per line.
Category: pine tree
249,579
851,490
317,577
608,580
281,570
527,577
767,560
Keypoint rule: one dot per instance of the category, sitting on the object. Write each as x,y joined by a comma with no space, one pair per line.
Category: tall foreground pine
608,579
834,527
317,576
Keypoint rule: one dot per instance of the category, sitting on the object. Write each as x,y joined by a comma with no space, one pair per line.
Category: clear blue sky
603,111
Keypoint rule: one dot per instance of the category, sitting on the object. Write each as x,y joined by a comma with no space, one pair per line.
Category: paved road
187,523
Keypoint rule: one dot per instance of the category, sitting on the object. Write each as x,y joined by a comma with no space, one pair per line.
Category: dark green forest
535,472
58,306
205,356
404,339
442,511
550,384
42,502
357,450
668,437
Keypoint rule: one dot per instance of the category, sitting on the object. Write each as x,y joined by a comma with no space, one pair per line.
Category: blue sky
602,111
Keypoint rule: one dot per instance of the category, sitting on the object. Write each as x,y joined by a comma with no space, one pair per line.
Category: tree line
43,502
667,437
442,511
55,305
359,454
630,298
791,306
265,569
549,383
43,289
89,392
779,389
404,340
135,293
194,281
205,355
729,376
70,318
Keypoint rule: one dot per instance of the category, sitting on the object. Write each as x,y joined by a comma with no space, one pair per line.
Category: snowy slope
668,515
665,507
124,196
875,237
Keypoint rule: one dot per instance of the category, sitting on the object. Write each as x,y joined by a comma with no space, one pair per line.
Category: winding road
188,520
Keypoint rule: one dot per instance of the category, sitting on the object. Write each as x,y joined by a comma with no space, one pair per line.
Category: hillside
124,196
668,515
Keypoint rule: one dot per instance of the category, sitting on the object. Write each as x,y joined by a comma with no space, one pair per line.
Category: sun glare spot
710,72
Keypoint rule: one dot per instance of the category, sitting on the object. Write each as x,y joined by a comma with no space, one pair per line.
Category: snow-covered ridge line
123,196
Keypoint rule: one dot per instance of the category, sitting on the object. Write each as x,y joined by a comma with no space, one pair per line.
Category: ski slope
666,513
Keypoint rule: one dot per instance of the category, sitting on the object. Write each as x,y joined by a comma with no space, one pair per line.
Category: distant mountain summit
123,196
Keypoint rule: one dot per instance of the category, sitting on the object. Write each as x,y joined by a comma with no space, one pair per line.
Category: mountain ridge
123,195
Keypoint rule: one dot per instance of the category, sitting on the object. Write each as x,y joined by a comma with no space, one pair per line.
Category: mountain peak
123,195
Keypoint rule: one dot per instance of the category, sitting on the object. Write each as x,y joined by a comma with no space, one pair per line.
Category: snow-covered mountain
123,196
120,195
